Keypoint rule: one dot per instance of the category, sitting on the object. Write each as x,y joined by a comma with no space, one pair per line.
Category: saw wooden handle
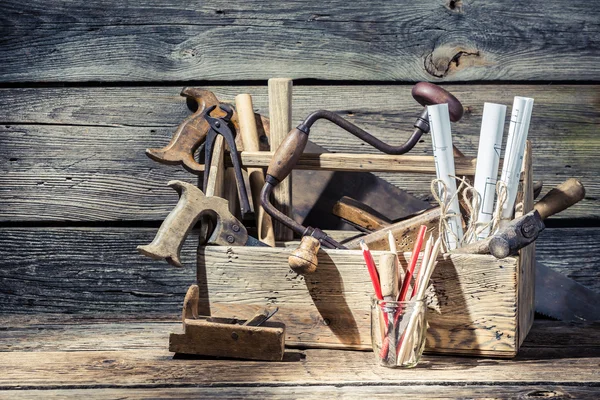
189,134
560,198
249,134
192,205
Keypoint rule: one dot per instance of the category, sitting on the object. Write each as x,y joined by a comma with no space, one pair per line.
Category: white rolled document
515,149
488,160
441,138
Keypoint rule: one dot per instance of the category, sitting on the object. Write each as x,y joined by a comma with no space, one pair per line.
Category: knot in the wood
446,60
454,5
544,393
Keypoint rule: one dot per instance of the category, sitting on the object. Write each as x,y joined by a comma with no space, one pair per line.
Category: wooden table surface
86,87
131,360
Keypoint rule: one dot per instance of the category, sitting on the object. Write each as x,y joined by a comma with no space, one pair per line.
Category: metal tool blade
316,192
560,297
261,317
254,242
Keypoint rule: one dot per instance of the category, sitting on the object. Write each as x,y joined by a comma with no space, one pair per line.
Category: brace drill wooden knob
303,260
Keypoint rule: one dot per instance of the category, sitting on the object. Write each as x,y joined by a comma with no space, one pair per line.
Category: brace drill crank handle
290,150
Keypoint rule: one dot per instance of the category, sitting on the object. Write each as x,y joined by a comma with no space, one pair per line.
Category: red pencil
372,269
413,262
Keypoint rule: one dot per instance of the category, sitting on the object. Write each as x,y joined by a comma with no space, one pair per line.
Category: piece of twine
502,197
472,203
440,194
475,230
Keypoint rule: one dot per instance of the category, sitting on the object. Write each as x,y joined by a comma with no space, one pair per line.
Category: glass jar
398,331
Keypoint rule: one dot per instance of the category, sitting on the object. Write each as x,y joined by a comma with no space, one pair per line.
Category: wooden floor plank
98,272
153,367
382,41
287,392
38,333
77,154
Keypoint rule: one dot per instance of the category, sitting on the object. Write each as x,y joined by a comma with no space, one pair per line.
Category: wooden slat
362,162
118,343
286,392
36,333
156,367
78,153
96,272
382,41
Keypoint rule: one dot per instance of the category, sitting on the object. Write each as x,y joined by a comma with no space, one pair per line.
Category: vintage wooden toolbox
479,305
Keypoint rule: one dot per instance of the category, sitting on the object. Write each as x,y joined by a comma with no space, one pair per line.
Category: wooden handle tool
280,114
290,150
359,214
403,231
249,134
193,204
560,198
189,134
304,260
524,230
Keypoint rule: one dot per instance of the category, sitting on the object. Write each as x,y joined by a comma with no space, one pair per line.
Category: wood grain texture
78,153
38,333
280,118
349,391
526,267
381,41
97,272
109,360
361,162
331,307
156,367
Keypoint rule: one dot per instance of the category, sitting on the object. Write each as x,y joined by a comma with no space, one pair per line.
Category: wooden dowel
280,115
249,133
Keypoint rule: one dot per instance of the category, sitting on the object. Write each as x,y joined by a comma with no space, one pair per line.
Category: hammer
514,236
524,230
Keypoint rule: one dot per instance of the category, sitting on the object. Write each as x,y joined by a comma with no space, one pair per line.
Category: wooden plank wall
85,87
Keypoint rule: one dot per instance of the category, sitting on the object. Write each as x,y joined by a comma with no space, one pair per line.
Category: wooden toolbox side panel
472,311
526,275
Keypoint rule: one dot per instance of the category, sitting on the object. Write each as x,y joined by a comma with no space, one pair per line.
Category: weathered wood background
85,87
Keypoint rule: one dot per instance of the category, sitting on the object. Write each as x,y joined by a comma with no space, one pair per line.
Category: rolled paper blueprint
441,138
488,160
513,154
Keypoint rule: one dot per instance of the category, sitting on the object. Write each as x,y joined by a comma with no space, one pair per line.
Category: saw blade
560,297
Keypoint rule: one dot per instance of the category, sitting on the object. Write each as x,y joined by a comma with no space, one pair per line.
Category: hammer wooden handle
359,214
556,200
560,198
249,134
